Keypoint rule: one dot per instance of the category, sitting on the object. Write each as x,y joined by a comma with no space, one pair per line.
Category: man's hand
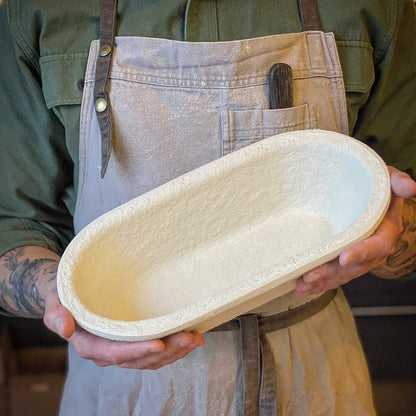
149,355
28,288
373,252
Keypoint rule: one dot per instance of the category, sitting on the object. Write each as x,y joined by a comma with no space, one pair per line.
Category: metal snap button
105,49
100,105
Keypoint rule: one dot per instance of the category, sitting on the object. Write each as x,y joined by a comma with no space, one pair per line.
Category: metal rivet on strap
105,49
100,105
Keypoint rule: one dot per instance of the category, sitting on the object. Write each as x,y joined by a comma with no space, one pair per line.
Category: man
319,366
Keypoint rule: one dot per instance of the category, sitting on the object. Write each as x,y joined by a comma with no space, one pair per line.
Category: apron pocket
240,128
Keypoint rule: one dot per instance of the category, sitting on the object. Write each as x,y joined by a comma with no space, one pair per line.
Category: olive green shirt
44,49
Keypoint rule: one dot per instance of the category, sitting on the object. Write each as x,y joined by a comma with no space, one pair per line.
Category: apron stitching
259,130
223,132
82,179
204,77
225,83
192,84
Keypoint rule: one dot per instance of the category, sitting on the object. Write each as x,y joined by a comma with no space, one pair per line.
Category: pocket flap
356,59
60,77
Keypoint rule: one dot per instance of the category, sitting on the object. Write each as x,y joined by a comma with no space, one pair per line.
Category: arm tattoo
403,260
19,293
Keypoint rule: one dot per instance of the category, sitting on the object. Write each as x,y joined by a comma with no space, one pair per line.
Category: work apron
154,109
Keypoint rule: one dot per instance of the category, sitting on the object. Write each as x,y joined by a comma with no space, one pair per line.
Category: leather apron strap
108,16
309,16
257,357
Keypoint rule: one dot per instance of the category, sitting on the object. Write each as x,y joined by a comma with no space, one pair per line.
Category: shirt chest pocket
240,128
62,79
62,85
357,63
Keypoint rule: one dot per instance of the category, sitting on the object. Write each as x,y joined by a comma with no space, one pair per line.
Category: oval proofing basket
225,238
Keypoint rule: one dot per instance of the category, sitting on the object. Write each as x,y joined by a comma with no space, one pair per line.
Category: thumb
402,184
57,318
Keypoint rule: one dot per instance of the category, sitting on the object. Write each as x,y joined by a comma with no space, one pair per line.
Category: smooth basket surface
225,238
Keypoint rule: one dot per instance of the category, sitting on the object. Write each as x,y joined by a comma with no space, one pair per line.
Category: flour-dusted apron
169,107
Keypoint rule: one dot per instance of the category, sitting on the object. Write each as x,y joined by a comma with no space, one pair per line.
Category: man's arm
27,275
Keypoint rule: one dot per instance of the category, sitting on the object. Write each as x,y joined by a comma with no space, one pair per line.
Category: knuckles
85,355
139,365
101,364
385,251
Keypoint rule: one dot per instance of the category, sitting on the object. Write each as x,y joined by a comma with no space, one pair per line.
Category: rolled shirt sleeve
35,185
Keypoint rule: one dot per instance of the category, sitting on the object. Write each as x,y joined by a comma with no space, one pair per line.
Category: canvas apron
166,108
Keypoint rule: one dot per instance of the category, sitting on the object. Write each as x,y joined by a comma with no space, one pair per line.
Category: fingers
362,257
108,352
103,352
326,277
177,346
373,250
402,184
57,318
381,243
353,262
330,276
151,354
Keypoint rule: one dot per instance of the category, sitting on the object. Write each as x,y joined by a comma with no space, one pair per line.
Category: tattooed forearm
23,277
403,260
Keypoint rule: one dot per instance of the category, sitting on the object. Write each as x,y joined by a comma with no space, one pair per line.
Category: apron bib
169,107
178,105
